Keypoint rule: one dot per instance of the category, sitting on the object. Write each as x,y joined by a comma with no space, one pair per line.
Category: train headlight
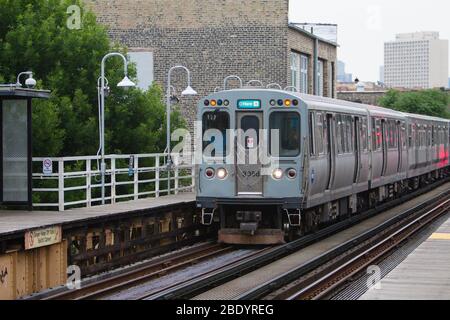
209,173
277,174
292,173
222,173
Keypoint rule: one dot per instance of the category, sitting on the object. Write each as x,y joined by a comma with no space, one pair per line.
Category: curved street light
187,92
125,83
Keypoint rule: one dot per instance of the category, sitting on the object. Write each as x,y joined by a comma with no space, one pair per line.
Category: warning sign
43,237
47,167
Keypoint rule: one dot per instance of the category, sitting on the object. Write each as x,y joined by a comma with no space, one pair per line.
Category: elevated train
333,159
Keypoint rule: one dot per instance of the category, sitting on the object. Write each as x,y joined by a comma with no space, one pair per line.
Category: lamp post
187,92
125,83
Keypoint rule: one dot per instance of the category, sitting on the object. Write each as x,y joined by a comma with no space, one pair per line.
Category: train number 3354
251,174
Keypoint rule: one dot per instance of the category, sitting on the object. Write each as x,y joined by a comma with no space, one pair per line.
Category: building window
304,73
299,72
294,69
144,68
320,78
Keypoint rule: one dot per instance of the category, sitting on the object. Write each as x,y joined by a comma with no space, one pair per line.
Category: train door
249,180
400,139
357,142
331,149
384,146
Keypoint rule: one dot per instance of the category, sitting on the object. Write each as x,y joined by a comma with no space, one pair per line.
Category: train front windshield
285,125
215,126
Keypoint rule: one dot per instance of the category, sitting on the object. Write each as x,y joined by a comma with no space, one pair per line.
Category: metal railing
75,181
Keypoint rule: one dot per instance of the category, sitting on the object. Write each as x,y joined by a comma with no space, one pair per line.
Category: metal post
61,187
102,114
168,111
316,67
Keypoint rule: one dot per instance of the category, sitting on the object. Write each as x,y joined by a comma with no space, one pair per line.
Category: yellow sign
43,237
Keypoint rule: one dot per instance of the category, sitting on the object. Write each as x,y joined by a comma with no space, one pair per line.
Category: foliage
426,102
34,36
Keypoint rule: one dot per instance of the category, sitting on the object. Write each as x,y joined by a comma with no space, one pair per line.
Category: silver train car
276,164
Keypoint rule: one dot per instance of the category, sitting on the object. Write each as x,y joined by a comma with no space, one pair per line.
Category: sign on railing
75,181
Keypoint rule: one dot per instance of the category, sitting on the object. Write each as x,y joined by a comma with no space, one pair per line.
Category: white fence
75,181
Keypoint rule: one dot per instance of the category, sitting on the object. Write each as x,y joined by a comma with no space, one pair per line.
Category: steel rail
144,273
336,277
199,285
314,272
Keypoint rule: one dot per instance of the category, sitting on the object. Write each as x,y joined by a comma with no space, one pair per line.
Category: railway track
323,276
194,287
147,272
315,270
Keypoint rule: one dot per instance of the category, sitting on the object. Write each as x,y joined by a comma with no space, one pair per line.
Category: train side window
318,134
288,126
214,125
411,135
377,135
403,136
363,134
392,132
339,138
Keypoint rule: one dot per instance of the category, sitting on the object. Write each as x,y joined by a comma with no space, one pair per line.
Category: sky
364,26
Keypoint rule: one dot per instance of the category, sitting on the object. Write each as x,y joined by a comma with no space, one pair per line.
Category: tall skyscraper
416,60
381,74
342,76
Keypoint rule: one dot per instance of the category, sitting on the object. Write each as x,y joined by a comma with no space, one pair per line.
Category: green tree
34,36
426,102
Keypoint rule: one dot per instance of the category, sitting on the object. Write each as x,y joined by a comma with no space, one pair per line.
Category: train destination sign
249,104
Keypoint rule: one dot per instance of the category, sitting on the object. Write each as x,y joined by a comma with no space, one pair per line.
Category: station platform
423,275
18,222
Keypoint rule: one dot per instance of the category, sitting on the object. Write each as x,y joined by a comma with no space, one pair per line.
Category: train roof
313,101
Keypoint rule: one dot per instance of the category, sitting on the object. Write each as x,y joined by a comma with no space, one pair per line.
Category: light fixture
30,82
277,174
126,83
292,173
222,173
189,92
210,173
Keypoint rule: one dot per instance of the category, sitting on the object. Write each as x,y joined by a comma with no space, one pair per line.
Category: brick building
216,38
